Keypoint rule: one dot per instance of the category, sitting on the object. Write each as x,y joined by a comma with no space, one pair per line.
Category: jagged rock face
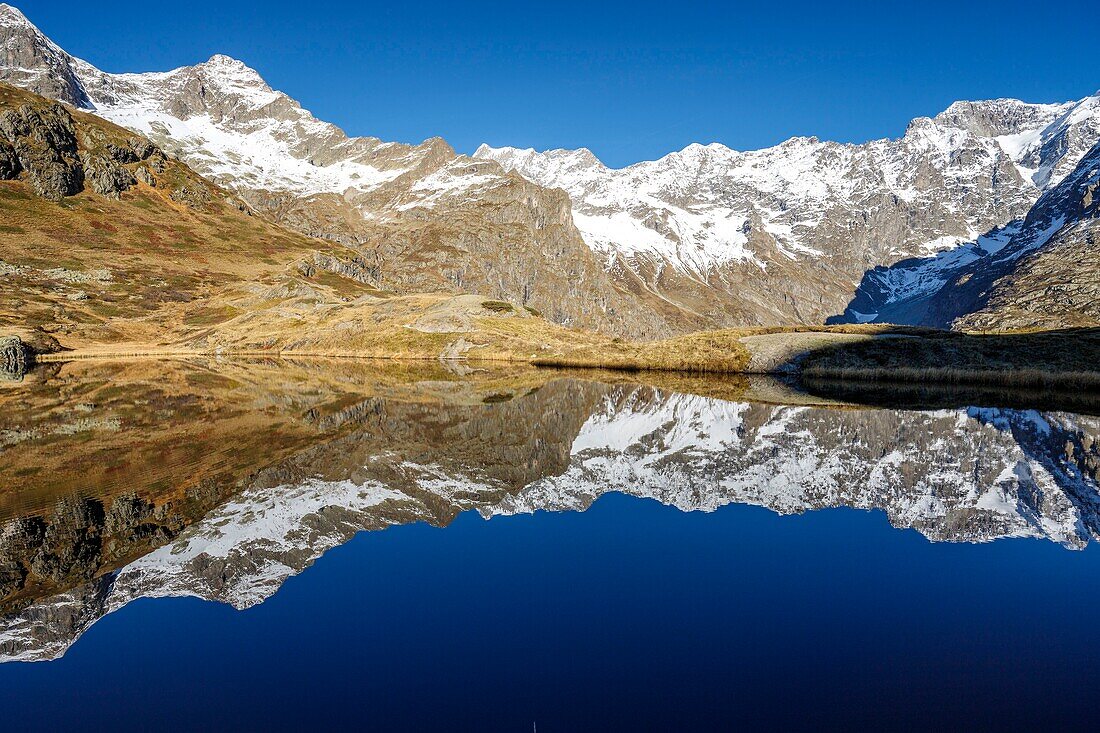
44,144
424,218
105,176
9,162
1047,275
970,475
33,62
804,221
938,289
1055,287
80,537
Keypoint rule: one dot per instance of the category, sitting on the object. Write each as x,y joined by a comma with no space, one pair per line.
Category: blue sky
629,81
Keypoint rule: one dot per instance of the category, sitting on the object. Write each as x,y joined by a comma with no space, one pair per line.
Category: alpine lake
208,544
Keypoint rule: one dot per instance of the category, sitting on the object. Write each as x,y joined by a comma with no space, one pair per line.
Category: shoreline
808,365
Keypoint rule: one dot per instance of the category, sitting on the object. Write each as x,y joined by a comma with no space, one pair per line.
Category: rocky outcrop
9,162
61,156
44,144
81,538
105,176
354,268
15,357
143,174
194,195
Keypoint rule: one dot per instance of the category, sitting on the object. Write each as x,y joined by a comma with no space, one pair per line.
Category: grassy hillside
94,268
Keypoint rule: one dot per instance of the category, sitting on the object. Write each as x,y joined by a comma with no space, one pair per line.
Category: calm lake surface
306,545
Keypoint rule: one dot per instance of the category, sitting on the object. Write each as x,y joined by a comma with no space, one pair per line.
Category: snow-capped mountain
716,216
220,116
1048,273
922,290
419,217
708,236
967,475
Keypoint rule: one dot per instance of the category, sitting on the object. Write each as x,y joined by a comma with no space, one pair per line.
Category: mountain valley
708,237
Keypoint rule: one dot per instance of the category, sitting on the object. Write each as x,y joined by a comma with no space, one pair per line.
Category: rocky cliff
59,157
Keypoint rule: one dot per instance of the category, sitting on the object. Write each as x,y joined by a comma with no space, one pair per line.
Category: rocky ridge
808,218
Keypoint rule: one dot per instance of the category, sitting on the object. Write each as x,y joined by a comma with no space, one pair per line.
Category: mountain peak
14,24
30,60
996,117
220,60
229,67
12,17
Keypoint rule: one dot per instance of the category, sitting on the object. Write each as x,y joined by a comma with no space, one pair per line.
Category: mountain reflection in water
222,479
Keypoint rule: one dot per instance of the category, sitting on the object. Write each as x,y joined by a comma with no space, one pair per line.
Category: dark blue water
630,616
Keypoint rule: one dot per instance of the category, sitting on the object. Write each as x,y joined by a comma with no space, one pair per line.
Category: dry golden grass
92,269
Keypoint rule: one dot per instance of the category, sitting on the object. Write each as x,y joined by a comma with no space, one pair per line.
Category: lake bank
1067,359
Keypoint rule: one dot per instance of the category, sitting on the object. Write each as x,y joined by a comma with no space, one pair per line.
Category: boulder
55,181
158,161
15,356
121,153
145,175
142,148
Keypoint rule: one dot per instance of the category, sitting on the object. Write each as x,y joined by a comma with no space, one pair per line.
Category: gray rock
44,142
1047,276
191,195
26,53
142,148
158,161
71,545
15,356
146,176
105,176
127,511
121,154
19,540
9,162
